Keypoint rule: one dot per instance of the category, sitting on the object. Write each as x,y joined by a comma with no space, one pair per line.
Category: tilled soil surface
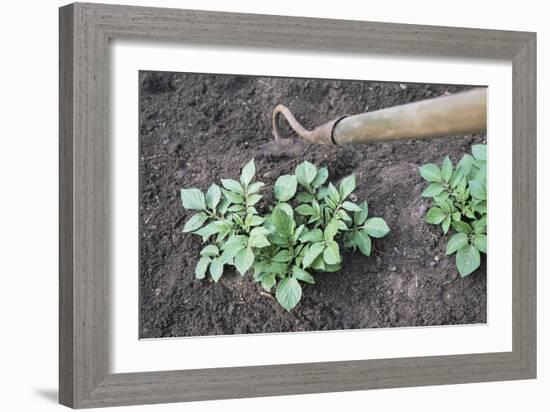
196,129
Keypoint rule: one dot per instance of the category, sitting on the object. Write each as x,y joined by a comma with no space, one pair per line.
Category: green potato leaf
312,253
233,186
216,269
248,172
285,187
253,199
320,178
255,187
467,260
302,275
351,207
195,222
480,242
446,224
232,247
244,260
360,217
435,216
480,207
298,233
478,189
462,227
288,293
479,151
305,210
282,256
331,230
363,242
431,173
376,227
282,221
480,226
254,220
268,281
347,186
236,208
258,241
306,173
315,235
192,199
211,229
285,207
233,197
202,266
332,194
446,169
331,253
213,196
210,251
319,264
433,190
344,216
305,197
456,242
465,164
222,207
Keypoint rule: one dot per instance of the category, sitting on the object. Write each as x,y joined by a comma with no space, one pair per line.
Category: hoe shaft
457,114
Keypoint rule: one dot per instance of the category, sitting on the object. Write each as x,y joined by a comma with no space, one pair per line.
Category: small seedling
459,197
300,235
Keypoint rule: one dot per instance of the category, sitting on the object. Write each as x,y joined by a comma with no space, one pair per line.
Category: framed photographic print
257,205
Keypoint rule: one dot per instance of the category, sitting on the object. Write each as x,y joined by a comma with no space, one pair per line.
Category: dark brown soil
196,129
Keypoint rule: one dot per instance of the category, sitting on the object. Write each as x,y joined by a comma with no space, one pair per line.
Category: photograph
281,204
273,205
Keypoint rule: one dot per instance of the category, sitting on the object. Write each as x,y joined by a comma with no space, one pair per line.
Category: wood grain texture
85,31
524,208
66,229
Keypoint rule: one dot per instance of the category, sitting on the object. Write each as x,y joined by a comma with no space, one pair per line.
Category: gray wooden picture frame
85,31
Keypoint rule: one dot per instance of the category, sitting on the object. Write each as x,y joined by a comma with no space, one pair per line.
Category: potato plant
459,201
300,236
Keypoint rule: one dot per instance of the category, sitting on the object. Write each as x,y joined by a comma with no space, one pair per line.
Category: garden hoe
457,114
